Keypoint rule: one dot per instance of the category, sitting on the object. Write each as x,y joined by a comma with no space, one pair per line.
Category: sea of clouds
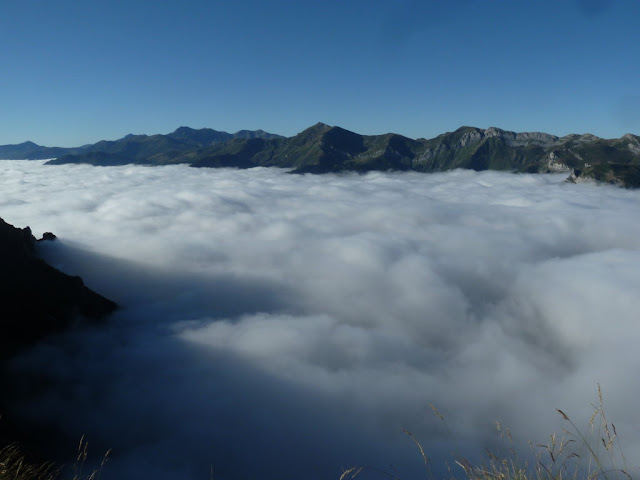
280,326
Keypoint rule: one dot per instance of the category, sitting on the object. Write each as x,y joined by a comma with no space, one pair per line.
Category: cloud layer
279,326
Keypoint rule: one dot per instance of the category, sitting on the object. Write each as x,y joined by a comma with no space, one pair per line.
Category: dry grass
16,465
592,453
81,459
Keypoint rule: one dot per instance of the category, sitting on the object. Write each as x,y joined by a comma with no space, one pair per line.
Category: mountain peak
318,128
324,148
183,129
494,131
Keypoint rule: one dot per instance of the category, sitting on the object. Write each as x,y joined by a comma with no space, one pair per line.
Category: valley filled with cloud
290,326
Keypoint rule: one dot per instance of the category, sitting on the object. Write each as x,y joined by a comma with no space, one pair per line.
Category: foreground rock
36,299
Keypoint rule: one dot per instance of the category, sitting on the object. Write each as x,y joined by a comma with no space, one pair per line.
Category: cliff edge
36,299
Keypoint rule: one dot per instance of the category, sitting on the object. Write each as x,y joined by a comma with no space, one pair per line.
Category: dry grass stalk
81,458
590,454
14,465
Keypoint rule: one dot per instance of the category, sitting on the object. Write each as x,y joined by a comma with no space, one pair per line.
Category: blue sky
77,72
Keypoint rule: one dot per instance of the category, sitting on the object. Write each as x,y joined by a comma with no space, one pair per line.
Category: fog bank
281,326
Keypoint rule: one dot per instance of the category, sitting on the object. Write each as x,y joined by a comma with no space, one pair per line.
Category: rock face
37,300
627,176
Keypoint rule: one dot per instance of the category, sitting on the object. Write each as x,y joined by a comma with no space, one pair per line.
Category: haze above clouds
281,326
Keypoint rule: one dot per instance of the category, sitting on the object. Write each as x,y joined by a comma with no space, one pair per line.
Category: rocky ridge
152,149
37,300
323,148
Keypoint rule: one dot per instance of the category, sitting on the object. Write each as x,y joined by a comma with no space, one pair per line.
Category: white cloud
275,324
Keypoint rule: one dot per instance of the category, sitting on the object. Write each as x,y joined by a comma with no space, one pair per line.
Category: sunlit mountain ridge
323,148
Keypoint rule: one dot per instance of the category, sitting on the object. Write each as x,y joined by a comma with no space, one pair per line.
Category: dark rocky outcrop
36,299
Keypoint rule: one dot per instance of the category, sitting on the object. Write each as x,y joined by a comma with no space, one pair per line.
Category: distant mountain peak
185,130
316,128
325,148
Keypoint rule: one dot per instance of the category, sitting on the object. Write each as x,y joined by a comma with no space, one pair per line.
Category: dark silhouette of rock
47,236
36,299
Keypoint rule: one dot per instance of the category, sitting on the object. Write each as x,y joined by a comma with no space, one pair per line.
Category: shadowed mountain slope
145,149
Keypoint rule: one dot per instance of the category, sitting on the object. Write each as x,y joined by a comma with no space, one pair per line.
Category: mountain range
323,148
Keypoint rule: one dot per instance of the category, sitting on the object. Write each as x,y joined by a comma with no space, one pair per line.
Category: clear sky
75,72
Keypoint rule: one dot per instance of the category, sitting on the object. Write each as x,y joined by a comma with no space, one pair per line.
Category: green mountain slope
32,151
181,146
323,148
